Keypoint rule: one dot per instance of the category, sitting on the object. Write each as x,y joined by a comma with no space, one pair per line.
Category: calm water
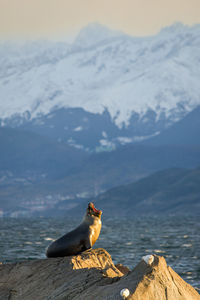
175,238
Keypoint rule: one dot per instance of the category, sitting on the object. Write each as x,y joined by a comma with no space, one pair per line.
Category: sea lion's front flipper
88,243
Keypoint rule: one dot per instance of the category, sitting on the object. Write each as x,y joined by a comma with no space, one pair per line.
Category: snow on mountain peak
176,27
94,33
123,75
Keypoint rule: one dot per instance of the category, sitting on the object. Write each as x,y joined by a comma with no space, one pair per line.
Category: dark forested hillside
168,192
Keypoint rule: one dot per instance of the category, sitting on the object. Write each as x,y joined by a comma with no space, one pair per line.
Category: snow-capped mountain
141,85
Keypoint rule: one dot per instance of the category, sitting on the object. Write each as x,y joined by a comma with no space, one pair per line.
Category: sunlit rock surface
91,275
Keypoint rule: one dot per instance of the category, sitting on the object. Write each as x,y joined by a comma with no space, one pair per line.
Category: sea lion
81,238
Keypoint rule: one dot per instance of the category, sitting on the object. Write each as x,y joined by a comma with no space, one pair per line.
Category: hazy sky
51,18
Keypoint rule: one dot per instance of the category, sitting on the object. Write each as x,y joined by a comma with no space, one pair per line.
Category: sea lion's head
92,211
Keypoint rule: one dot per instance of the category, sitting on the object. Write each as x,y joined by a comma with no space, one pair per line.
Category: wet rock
91,275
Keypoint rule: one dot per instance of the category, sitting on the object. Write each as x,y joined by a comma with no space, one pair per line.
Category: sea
177,238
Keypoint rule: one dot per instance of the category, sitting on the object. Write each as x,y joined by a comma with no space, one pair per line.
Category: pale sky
59,18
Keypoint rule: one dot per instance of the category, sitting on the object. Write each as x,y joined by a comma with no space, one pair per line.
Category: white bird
148,259
124,293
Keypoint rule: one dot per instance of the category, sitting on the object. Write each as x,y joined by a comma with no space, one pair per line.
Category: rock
157,281
123,269
91,275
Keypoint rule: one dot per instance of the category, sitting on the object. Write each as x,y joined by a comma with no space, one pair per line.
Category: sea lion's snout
94,211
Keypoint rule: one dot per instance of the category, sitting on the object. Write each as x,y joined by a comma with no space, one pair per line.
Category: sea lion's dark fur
79,239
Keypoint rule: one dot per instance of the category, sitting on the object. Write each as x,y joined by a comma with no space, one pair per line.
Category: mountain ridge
106,74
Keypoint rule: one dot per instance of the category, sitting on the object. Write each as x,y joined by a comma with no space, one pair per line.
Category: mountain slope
23,153
169,191
132,162
184,132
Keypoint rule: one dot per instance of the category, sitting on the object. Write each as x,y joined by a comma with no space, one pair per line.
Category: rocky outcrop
92,275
